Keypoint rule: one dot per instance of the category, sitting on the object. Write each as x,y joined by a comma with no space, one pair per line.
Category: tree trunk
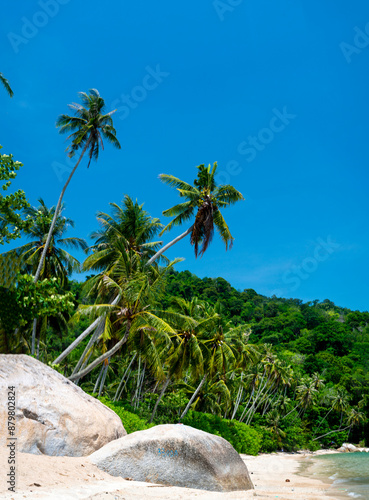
166,383
133,399
326,415
98,379
193,398
94,337
168,245
34,330
238,400
125,383
83,335
102,358
259,393
293,409
246,407
331,432
141,384
117,395
49,236
38,346
106,367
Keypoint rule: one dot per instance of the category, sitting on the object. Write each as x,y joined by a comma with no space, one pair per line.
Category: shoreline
64,478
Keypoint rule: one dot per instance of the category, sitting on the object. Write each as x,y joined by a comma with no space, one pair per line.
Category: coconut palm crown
205,199
58,262
89,125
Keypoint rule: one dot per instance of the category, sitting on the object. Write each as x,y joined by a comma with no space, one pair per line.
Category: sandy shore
64,478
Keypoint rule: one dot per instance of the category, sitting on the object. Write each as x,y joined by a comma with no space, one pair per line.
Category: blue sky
275,92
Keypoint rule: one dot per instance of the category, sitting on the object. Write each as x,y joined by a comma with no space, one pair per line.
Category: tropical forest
159,345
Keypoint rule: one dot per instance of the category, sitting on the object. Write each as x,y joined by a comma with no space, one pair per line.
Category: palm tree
6,85
217,352
204,200
185,353
58,262
338,400
129,228
88,128
133,313
130,222
273,418
355,418
306,393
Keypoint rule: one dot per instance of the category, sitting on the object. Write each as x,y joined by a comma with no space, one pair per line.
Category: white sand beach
65,478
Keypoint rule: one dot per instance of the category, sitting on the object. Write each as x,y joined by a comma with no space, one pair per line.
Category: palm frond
223,229
175,182
6,85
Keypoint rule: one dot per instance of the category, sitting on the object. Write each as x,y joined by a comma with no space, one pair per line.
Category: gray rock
175,455
347,447
53,415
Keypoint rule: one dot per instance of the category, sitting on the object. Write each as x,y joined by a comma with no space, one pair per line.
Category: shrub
242,437
131,422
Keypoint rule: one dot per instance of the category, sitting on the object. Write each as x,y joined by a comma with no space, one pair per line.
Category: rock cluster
53,415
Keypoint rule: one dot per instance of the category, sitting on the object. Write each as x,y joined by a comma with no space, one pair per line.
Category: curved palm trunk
193,398
83,335
49,236
103,357
293,409
82,360
331,432
170,244
326,415
159,399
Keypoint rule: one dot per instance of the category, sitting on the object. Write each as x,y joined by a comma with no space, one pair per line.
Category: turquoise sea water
348,471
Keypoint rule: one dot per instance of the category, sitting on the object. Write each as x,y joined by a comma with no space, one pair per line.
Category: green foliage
242,437
11,222
169,409
131,422
43,298
9,310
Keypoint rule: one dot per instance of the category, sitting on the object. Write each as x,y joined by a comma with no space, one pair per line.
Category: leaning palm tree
204,201
6,85
88,128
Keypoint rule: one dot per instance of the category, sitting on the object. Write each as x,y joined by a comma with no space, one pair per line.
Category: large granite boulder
348,448
175,455
53,415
